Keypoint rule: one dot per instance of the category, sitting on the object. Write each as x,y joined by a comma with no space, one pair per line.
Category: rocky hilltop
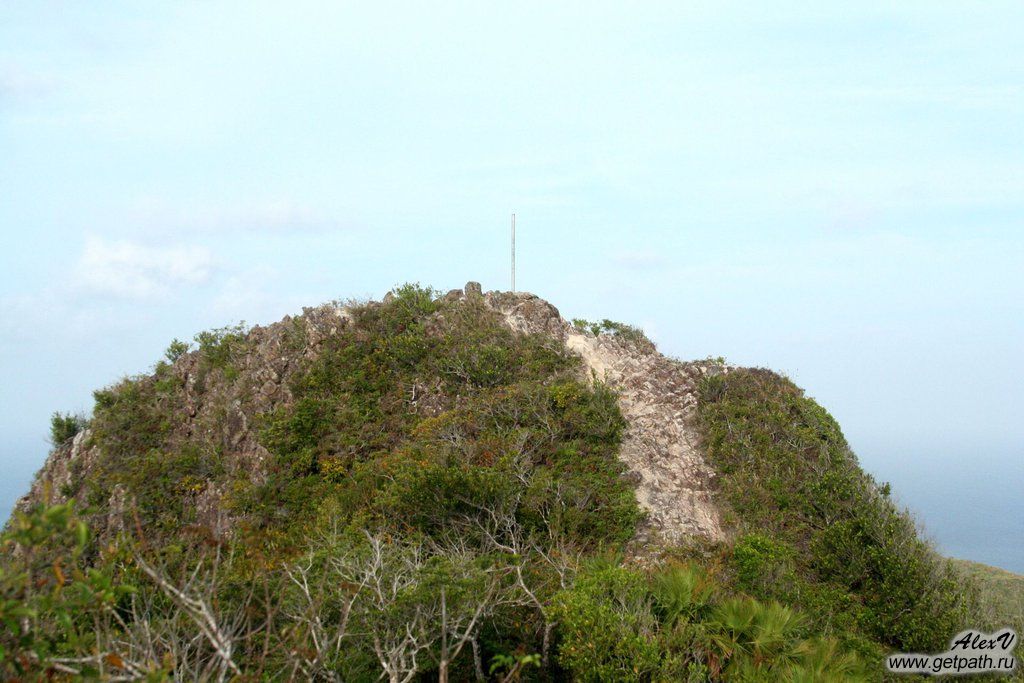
657,396
461,486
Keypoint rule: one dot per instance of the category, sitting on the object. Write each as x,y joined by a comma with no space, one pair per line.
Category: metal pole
513,252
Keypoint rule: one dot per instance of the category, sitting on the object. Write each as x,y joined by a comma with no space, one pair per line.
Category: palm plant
822,661
746,638
681,594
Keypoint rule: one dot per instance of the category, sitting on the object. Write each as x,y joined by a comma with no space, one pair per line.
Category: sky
832,190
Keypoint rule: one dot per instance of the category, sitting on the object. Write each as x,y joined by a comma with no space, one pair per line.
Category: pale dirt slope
657,396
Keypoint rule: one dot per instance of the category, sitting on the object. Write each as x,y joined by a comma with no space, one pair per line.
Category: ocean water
18,464
970,505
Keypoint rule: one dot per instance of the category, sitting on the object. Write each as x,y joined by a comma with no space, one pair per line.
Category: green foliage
134,423
513,664
433,471
620,625
131,417
64,427
352,597
50,598
629,333
682,594
789,474
507,424
745,635
220,347
751,641
609,631
404,307
175,350
526,449
761,562
1001,594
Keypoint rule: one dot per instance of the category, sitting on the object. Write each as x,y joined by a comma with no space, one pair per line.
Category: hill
1001,595
461,486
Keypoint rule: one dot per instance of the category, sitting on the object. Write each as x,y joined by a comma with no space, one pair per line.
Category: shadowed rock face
657,396
219,411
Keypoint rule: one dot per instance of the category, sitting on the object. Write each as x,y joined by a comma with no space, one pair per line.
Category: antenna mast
513,252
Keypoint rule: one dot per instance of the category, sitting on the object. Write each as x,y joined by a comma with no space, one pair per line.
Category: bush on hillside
64,427
618,624
628,333
789,476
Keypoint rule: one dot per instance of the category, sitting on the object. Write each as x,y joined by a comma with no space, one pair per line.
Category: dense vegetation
64,427
443,501
816,532
1001,598
821,533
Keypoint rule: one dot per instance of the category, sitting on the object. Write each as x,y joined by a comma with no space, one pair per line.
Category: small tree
64,427
176,349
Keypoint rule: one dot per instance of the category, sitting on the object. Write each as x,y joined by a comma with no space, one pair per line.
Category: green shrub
629,333
747,640
788,473
136,425
52,599
404,307
761,562
617,624
64,427
508,422
175,350
608,628
682,594
220,347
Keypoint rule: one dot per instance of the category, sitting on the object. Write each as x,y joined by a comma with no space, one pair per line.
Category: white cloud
134,271
31,319
258,293
278,215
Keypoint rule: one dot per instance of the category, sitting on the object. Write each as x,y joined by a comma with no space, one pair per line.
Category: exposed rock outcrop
216,409
51,483
657,397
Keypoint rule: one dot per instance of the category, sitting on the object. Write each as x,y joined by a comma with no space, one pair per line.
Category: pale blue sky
833,191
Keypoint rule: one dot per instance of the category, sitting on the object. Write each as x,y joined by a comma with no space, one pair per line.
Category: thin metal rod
513,252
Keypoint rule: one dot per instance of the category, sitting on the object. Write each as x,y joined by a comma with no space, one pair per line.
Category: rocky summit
461,486
657,396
